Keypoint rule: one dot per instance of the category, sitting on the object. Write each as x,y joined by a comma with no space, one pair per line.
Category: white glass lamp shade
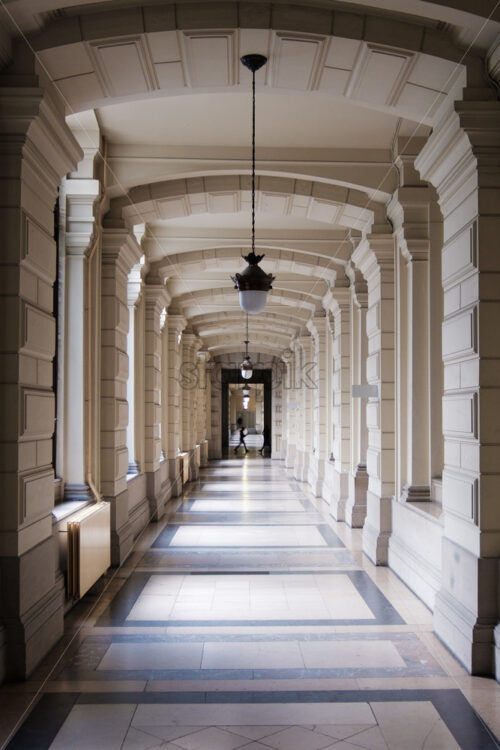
252,301
246,391
245,406
247,373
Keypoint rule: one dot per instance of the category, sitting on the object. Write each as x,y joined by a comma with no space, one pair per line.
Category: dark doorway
234,376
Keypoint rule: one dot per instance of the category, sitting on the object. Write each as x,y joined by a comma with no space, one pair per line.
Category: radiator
89,554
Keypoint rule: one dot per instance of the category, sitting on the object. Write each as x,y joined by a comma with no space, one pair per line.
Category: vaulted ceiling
163,84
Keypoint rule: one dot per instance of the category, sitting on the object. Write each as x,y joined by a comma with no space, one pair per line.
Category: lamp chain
253,162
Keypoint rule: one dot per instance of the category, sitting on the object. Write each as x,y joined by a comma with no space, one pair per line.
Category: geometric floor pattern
248,618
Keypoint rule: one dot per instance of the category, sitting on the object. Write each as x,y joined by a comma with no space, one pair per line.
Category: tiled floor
250,620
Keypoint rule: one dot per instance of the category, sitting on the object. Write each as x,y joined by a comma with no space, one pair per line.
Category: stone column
461,160
76,205
189,390
36,150
298,465
175,325
134,284
355,511
338,302
307,386
119,253
318,327
155,300
375,259
413,211
215,444
291,409
277,419
203,403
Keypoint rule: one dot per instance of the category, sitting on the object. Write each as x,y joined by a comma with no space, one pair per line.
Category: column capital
120,246
317,325
341,298
305,340
465,141
155,294
191,341
204,355
79,194
35,114
175,322
375,252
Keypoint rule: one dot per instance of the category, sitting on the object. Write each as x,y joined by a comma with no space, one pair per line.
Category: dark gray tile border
469,731
118,610
165,538
44,722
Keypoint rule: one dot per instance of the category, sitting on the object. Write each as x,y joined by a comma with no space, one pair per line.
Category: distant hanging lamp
246,367
253,283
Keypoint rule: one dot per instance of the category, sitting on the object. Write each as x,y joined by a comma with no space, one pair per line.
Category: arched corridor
252,620
130,192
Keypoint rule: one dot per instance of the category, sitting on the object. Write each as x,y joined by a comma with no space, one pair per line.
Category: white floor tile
256,655
407,726
152,656
91,727
254,714
353,654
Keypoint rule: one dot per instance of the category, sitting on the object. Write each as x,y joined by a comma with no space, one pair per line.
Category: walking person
242,436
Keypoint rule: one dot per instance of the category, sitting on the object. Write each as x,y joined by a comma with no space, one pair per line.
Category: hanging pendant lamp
253,283
246,367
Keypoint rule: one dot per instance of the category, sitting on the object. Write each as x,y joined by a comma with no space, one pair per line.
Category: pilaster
156,300
355,511
338,302
291,408
375,259
76,206
36,150
134,286
174,327
307,386
318,326
461,159
299,399
189,391
202,406
120,253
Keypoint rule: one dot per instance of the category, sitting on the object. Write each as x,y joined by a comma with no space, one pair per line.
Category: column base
204,454
418,565
194,469
75,492
290,456
175,476
377,528
132,468
355,509
336,490
298,468
156,493
316,474
470,636
122,533
283,450
30,634
415,493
